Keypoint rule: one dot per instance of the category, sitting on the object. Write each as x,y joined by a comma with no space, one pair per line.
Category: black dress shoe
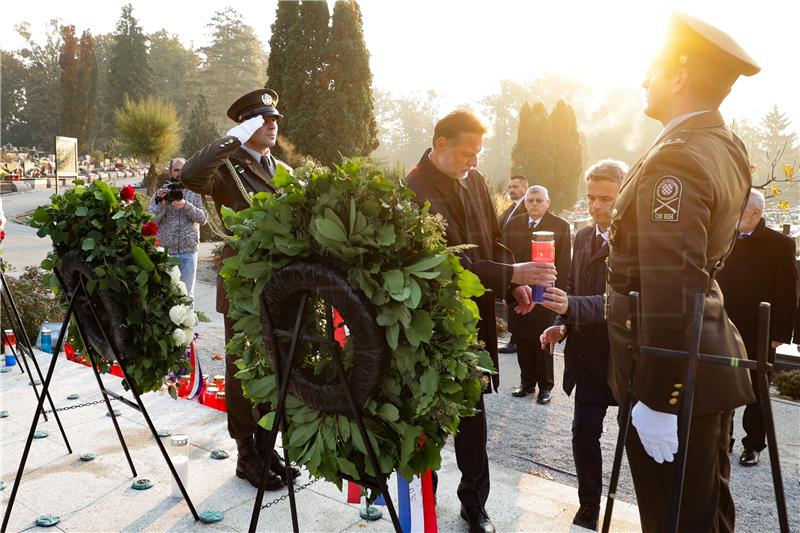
508,348
521,392
587,516
478,520
544,397
749,458
249,466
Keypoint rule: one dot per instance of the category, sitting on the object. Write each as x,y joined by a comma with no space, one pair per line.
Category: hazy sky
462,48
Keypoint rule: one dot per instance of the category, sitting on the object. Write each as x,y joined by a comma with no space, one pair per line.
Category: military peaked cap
261,102
692,42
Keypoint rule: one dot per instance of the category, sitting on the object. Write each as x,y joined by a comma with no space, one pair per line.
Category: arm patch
667,199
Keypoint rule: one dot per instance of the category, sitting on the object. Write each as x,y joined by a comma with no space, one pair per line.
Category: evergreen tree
567,157
306,127
87,89
129,72
346,106
234,64
282,70
174,69
70,102
533,154
199,129
776,135
12,97
522,148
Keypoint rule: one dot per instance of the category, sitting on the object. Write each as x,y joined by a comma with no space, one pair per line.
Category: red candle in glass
543,250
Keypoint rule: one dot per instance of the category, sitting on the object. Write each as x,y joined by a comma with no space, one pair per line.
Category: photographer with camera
179,213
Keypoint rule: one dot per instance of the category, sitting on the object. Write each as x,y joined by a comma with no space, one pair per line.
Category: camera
174,191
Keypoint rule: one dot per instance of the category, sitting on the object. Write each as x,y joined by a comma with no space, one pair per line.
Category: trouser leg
544,367
587,427
526,356
242,417
707,505
472,459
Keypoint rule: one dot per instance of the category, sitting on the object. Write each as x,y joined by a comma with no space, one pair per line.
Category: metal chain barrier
296,490
76,406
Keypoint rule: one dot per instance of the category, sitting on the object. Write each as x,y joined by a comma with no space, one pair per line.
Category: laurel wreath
394,254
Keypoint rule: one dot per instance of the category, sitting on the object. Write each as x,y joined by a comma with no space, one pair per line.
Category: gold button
678,385
675,394
613,212
627,324
673,401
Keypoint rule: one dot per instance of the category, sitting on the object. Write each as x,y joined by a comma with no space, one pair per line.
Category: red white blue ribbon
417,507
196,383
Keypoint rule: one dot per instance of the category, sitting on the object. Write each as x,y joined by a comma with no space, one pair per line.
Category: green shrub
35,301
788,384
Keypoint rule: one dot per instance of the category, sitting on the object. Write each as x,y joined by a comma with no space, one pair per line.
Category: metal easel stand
81,292
24,349
694,358
282,378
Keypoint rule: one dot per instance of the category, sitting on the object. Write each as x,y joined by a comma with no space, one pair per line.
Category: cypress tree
540,148
200,130
87,88
346,105
568,156
521,150
68,62
282,68
129,71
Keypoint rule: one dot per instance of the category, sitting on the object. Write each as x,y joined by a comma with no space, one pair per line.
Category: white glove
246,129
658,432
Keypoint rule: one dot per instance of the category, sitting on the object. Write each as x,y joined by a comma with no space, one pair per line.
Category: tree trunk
150,179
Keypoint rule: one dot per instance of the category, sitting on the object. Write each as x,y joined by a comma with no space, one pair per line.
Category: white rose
178,314
190,319
179,337
175,273
188,334
181,287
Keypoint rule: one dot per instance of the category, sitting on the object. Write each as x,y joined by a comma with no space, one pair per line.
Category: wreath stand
284,375
90,319
24,349
694,357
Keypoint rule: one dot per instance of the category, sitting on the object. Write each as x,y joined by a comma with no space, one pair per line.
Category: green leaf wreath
394,253
116,239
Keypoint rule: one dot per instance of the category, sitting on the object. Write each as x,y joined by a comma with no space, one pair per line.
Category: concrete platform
97,495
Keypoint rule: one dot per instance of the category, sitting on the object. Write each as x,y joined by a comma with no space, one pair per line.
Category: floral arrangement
393,253
116,239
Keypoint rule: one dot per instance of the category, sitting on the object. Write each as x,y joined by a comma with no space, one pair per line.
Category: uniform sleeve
785,291
673,210
199,173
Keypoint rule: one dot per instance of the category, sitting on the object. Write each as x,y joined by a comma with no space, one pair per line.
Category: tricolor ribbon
196,384
416,503
355,494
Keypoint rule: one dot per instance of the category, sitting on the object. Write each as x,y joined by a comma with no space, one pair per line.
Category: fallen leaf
542,474
218,356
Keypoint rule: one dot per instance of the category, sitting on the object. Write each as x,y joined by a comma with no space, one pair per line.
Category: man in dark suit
230,170
673,225
761,268
535,364
581,319
517,186
447,178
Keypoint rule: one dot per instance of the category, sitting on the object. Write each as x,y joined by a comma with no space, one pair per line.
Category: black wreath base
73,268
371,354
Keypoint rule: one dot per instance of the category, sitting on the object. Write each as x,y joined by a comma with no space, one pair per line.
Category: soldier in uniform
230,170
673,224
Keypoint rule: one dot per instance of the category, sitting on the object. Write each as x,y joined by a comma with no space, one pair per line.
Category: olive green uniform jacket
207,173
676,216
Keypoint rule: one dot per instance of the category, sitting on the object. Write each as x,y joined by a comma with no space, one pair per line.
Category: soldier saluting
673,225
230,170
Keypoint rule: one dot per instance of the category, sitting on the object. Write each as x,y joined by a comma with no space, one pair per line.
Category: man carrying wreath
230,170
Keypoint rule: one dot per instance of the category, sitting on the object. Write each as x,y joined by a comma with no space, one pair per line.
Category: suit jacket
675,217
761,268
468,210
206,173
517,236
512,210
586,352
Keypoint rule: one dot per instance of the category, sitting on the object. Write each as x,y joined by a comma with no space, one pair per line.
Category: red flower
150,229
2,235
127,193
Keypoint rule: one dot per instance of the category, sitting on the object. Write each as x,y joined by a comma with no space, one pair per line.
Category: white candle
181,463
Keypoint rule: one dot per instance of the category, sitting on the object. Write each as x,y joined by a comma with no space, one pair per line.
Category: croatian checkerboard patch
667,199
